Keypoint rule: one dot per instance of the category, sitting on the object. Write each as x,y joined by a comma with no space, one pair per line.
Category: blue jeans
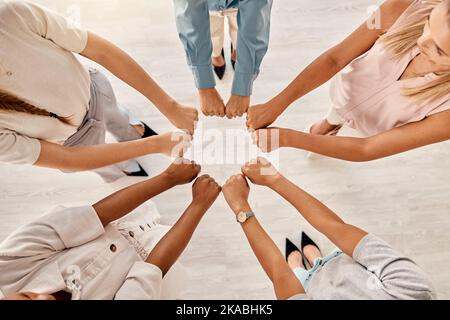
305,275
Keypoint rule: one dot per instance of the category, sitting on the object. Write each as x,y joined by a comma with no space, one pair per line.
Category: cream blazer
69,249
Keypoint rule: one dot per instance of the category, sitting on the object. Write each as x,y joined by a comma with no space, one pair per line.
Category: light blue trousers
305,275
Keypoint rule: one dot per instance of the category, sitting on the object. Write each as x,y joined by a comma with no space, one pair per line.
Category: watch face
242,217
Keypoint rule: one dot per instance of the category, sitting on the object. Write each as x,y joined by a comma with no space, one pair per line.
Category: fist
269,140
184,118
237,106
261,172
236,192
173,144
205,191
261,116
212,103
182,171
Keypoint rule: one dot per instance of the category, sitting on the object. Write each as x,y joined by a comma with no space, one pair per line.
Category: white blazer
69,249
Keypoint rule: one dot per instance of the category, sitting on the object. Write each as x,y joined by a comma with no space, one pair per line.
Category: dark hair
9,102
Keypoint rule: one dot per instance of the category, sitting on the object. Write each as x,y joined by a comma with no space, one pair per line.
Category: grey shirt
376,272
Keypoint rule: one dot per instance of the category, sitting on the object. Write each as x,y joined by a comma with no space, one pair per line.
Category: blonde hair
401,41
11,103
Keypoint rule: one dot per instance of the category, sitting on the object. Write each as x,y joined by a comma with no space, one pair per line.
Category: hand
261,172
182,171
261,116
211,102
184,117
236,192
173,144
270,139
205,191
237,106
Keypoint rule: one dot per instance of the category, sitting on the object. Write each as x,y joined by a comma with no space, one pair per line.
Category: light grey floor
404,199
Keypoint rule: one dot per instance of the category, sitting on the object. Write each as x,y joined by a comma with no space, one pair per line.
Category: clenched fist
270,139
173,144
236,192
182,171
237,106
261,116
184,117
261,172
205,191
212,103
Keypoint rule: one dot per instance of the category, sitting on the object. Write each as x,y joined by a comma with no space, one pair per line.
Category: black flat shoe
140,173
148,132
307,241
220,71
233,62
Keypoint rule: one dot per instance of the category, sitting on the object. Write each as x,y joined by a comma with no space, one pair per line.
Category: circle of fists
236,189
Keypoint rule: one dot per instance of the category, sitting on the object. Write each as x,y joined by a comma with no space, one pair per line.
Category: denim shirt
193,26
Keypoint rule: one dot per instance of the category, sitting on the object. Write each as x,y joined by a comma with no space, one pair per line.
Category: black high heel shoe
140,173
290,248
233,62
307,241
148,132
220,71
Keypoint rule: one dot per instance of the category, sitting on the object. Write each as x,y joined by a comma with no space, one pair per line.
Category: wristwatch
244,216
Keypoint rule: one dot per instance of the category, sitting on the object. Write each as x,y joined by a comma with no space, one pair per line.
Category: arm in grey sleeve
192,18
397,274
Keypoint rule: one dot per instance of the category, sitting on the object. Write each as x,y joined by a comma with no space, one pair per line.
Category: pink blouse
367,94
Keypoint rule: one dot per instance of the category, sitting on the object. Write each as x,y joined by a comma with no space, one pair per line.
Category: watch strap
248,215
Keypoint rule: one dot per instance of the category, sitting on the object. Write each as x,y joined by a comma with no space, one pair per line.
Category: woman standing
363,268
253,20
57,115
394,95
217,21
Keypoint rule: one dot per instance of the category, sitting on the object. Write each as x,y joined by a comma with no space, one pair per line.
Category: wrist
240,97
276,182
278,105
241,207
168,179
206,90
285,138
151,145
170,107
200,207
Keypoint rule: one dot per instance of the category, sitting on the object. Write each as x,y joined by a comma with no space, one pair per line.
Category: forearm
344,236
172,245
85,158
129,71
316,74
285,283
343,148
125,201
